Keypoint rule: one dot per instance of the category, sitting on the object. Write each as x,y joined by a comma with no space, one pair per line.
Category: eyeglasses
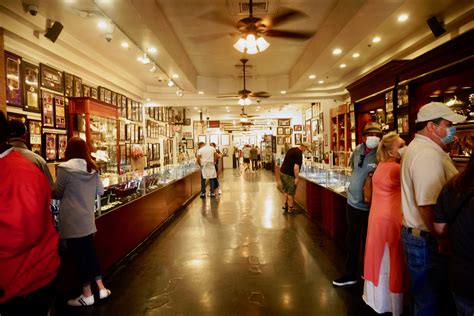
361,160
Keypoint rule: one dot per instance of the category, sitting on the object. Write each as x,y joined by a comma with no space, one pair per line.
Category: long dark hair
464,181
77,148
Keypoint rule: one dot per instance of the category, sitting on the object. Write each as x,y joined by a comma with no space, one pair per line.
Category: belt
417,232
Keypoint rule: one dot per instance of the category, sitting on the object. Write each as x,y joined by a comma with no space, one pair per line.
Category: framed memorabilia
298,138
86,91
214,139
402,96
119,101
161,130
405,124
314,129
47,101
34,128
297,128
13,78
308,113
287,139
113,98
389,101
177,129
51,78
202,138
77,86
179,115
321,123
189,143
225,140
59,112
307,128
129,109
187,122
62,142
94,93
102,94
280,140
287,130
284,122
171,115
68,85
316,109
30,87
108,96
351,107
280,131
50,146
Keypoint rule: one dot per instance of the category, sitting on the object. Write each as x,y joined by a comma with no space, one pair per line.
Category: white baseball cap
435,110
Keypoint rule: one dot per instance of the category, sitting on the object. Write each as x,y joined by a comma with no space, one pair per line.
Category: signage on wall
214,124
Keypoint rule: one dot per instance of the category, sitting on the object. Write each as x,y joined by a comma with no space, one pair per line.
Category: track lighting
170,83
153,68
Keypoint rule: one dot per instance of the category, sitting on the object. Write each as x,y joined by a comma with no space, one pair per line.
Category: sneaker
219,191
345,281
81,301
212,195
202,195
104,293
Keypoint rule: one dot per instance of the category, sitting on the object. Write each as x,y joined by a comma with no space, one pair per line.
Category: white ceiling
198,49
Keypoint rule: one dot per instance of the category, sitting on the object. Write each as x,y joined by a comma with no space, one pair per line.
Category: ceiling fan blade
218,17
289,34
228,96
260,94
210,37
285,15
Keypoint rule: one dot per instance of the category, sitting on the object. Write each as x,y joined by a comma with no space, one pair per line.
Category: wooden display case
340,143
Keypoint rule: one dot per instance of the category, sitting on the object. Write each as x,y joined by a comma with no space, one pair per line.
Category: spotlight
170,83
153,68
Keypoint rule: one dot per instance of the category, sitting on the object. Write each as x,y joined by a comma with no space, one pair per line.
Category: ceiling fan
244,118
244,94
264,26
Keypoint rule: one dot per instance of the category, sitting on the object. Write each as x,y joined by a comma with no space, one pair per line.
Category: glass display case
334,179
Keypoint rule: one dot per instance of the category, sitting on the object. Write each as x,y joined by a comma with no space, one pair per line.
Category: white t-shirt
246,152
424,171
207,154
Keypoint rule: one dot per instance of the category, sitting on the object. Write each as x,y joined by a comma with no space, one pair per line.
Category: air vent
258,7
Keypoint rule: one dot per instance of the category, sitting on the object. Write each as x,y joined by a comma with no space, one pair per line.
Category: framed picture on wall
321,123
225,139
59,112
298,138
77,86
402,96
50,146
187,122
202,138
30,87
307,129
13,78
101,93
94,93
34,128
297,128
316,109
280,140
308,113
314,128
284,122
189,143
280,131
51,78
214,139
287,130
62,142
47,100
287,139
86,91
68,85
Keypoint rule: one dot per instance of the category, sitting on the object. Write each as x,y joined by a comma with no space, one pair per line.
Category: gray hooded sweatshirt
77,189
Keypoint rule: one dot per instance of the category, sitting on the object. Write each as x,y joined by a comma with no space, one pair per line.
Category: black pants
83,252
254,164
36,303
357,221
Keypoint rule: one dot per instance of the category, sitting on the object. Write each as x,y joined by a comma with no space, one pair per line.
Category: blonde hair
386,145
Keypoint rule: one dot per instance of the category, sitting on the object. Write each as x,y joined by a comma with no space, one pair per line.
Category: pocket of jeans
415,248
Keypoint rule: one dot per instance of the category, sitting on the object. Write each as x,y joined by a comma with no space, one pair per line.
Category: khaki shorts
288,184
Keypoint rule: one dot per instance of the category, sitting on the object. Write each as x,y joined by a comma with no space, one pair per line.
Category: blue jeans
211,184
428,275
464,306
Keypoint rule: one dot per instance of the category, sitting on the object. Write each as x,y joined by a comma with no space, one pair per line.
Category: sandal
81,301
104,293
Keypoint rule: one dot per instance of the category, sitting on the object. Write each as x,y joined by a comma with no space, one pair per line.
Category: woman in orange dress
384,265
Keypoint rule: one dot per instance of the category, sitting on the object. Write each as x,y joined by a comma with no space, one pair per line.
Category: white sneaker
219,191
81,301
104,293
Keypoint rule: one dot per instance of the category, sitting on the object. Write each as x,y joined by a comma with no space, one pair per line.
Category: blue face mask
450,133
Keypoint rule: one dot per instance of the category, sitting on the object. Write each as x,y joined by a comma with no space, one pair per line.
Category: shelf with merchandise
335,179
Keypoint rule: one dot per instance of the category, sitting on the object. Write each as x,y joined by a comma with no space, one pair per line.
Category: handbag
367,188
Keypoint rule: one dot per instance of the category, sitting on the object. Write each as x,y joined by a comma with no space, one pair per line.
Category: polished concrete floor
237,254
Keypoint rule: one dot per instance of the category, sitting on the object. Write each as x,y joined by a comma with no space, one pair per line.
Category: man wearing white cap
425,168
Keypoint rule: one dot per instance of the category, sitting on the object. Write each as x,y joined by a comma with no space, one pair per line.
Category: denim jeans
428,276
212,184
464,306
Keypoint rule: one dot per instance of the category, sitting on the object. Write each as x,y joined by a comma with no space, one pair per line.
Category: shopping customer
17,138
425,170
246,157
206,158
289,174
254,157
216,165
29,258
454,219
77,185
384,264
362,161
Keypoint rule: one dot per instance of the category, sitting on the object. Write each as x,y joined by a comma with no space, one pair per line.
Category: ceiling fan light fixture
252,50
240,45
262,44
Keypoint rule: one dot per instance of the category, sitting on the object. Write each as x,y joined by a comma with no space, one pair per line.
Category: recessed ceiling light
152,50
226,107
102,25
337,51
355,55
175,76
228,111
376,39
312,76
342,65
282,91
124,45
402,17
321,81
201,92
148,100
195,108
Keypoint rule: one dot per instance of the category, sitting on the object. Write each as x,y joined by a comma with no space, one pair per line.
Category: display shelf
340,135
463,145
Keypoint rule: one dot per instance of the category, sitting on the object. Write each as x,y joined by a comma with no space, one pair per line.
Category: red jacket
28,241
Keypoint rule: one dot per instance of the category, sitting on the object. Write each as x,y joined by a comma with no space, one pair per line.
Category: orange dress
384,227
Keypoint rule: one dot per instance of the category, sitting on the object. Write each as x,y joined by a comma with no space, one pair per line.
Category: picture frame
34,129
297,128
314,129
321,123
225,140
107,96
307,128
47,103
214,138
284,122
102,94
94,93
189,143
62,143
187,122
68,84
288,140
280,140
402,96
280,131
316,109
309,113
50,147
51,78
351,107
59,112
13,80
202,138
77,83
389,101
287,130
86,91
30,87
113,98
179,115
298,138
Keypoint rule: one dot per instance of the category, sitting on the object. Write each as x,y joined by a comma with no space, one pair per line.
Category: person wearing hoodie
77,185
29,259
